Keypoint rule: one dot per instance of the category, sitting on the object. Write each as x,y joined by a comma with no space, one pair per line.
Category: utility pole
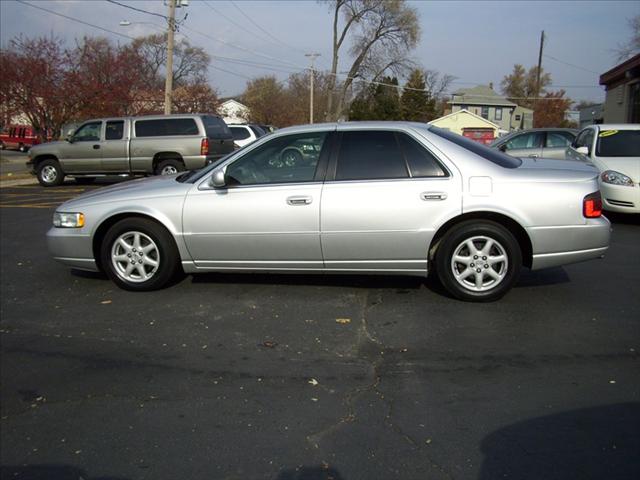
535,102
313,57
168,84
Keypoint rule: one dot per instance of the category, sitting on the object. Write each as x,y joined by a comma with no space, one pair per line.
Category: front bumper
618,198
72,248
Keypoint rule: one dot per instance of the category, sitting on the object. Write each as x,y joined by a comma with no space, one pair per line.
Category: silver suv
150,145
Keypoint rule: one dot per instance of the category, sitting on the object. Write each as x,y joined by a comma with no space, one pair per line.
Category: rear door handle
433,196
299,200
96,147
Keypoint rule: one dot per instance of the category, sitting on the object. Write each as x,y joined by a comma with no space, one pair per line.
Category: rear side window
370,155
166,127
494,156
618,143
239,133
114,130
216,129
421,162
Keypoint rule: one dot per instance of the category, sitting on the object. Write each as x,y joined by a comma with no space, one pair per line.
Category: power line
234,22
75,19
137,9
570,64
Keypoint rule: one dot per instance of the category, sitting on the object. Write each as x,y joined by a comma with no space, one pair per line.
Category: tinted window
166,127
559,139
89,132
494,156
114,130
257,131
525,140
216,129
618,143
585,139
292,158
240,133
370,155
421,162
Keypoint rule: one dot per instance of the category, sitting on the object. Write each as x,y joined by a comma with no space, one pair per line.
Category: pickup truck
149,145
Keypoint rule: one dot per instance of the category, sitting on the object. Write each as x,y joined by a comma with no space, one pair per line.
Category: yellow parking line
2,205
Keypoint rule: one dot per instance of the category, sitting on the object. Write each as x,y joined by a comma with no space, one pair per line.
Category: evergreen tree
417,104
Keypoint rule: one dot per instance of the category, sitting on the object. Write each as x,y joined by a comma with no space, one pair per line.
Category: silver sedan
369,197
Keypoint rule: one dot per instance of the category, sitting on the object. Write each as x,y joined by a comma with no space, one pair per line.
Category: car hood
46,146
144,188
548,169
630,166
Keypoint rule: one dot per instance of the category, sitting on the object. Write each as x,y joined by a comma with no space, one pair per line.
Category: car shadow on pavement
310,473
48,472
590,443
542,278
623,218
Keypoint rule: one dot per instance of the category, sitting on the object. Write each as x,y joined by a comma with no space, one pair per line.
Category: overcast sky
477,42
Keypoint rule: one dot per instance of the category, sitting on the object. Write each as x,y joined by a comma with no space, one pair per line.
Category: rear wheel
49,173
169,167
478,261
139,254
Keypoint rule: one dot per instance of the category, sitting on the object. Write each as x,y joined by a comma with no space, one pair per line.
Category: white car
615,150
245,134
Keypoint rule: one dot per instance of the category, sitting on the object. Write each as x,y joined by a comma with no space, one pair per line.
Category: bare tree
382,33
632,47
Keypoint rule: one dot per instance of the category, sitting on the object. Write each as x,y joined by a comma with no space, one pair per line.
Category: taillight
592,205
204,146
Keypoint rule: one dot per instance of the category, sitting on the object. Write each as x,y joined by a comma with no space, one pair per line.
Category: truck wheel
140,255
169,167
49,173
478,261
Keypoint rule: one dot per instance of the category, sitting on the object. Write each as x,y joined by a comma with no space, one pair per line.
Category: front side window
288,159
618,143
526,140
585,139
559,139
89,132
114,130
369,156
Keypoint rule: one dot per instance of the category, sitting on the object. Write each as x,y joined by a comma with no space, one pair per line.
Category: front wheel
478,261
49,173
139,254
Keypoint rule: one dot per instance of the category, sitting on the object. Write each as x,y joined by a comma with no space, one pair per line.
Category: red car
20,137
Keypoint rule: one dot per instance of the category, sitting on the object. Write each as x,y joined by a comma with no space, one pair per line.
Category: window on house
485,112
498,115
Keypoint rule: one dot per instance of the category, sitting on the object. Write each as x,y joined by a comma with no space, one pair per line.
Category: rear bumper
561,245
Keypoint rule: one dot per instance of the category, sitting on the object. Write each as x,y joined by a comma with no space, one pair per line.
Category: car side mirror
503,147
69,138
217,178
583,150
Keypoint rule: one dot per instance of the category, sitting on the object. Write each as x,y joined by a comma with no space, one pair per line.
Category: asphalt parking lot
313,377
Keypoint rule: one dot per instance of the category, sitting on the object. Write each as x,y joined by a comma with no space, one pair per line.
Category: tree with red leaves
550,110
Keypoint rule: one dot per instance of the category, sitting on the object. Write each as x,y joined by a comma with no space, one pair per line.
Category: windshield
494,156
618,143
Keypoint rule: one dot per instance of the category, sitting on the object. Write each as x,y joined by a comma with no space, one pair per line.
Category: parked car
19,137
245,134
150,145
615,150
379,197
536,142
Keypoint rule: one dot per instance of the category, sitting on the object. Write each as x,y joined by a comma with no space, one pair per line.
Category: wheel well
159,157
39,159
107,224
510,224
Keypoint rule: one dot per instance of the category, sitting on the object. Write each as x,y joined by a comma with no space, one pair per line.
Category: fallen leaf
313,382
269,344
105,302
343,320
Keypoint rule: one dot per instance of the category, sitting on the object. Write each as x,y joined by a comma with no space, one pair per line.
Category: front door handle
299,200
433,196
96,147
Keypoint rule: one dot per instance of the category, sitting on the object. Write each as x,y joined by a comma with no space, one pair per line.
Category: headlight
616,178
68,220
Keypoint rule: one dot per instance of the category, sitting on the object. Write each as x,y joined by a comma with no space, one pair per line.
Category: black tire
480,283
85,180
169,167
49,173
167,256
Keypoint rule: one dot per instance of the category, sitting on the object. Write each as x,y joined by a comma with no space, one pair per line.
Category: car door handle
299,200
96,147
433,196
534,155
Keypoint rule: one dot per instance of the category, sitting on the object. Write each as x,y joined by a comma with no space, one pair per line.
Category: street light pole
313,57
168,85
